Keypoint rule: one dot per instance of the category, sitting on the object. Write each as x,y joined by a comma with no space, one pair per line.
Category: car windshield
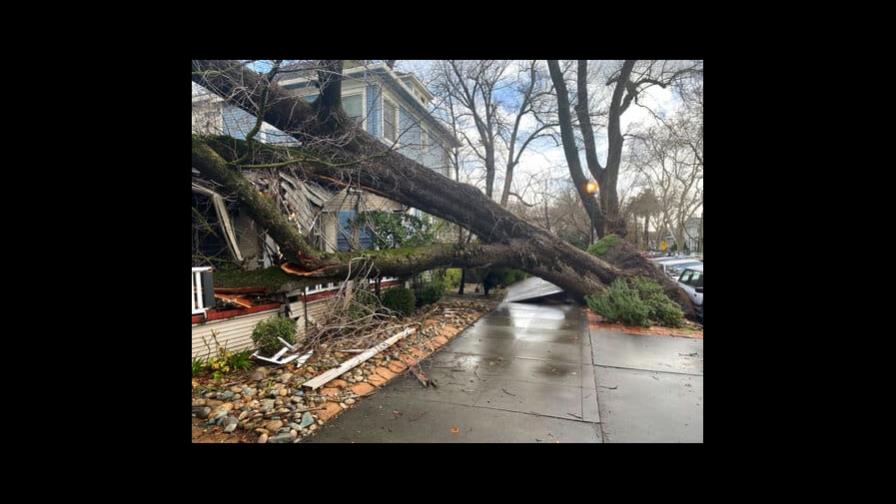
678,268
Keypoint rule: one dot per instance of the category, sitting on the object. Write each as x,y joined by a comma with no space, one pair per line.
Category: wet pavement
534,373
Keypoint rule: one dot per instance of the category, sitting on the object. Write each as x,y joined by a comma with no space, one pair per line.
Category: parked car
674,267
691,281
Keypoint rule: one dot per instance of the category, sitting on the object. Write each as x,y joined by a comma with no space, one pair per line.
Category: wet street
535,373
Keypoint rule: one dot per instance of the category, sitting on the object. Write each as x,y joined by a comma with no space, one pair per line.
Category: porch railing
198,304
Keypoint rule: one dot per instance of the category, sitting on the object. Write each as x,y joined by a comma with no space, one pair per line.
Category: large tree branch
585,122
380,170
570,150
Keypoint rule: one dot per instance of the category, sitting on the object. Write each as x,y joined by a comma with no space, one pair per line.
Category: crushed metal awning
531,289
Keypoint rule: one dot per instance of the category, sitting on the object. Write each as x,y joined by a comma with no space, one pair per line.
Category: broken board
334,373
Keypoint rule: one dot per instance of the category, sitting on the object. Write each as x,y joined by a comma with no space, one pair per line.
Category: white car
674,267
691,281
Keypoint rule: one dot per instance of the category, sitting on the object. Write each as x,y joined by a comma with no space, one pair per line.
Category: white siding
235,333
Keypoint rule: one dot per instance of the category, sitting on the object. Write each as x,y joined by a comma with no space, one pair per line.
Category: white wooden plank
325,377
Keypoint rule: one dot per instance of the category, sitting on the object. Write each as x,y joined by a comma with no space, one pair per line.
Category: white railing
321,288
334,286
198,306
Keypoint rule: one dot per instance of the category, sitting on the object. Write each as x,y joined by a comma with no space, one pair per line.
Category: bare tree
627,82
668,158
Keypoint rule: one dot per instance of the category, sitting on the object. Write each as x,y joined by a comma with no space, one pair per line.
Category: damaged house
388,104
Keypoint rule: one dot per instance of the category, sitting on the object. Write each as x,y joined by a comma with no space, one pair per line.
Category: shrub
662,310
639,301
240,360
198,366
220,365
452,277
620,303
429,293
601,246
267,331
512,276
399,299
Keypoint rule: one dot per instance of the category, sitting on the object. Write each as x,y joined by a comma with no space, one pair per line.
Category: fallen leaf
455,429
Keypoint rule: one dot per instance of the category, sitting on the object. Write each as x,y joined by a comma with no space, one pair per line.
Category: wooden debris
421,376
240,290
235,299
325,377
295,269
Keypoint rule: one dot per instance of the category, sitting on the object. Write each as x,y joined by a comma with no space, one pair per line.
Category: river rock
201,411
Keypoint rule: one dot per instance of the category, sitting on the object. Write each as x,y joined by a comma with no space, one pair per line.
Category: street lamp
591,188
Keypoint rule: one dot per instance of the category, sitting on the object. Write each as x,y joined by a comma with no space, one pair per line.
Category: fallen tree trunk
362,161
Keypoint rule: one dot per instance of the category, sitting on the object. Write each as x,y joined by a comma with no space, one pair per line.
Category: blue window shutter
364,238
344,231
373,110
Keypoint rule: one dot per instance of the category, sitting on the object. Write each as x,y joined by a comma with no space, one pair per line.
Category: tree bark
571,152
366,163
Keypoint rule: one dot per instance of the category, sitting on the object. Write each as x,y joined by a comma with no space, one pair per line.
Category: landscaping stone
349,401
330,410
201,411
307,420
273,425
337,383
230,424
263,438
260,373
286,437
376,380
397,366
329,392
362,389
384,372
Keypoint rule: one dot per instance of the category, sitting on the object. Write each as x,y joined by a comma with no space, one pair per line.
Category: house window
353,107
389,113
310,98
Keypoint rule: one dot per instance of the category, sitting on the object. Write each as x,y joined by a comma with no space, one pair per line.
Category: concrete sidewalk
650,387
522,373
535,373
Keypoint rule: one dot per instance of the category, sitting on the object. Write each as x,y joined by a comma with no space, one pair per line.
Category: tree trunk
647,231
366,163
571,151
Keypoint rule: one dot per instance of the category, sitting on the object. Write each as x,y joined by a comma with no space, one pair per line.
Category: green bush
198,366
512,276
640,301
399,299
620,303
663,311
452,277
601,246
429,293
267,331
241,360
